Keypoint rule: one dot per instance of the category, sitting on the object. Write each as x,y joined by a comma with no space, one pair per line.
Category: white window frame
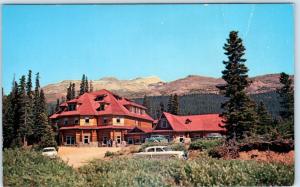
118,120
84,138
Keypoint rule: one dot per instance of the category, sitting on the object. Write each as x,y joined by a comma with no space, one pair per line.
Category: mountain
154,86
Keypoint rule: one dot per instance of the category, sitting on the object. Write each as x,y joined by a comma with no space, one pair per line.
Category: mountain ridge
154,86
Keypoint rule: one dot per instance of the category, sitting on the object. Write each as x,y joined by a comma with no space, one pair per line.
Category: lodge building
100,117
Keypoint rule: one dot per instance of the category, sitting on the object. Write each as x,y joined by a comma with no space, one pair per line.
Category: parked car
161,152
214,135
50,152
157,138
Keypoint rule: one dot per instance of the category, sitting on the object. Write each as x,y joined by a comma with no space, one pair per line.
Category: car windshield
48,150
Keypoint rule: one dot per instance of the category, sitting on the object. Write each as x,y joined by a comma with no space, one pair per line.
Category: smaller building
184,128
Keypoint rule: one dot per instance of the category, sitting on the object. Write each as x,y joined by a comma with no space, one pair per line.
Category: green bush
30,168
109,154
205,144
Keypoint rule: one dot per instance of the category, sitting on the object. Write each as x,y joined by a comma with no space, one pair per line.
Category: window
71,107
164,124
136,122
118,120
100,97
66,121
70,140
150,150
118,139
86,139
87,120
130,141
181,139
101,107
76,121
104,120
159,150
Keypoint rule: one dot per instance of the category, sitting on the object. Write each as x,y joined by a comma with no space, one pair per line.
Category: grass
28,168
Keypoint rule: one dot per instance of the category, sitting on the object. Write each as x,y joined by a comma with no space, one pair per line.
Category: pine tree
170,104
239,111
37,110
286,93
264,124
175,105
82,85
162,107
73,95
69,90
86,85
48,137
146,104
8,121
57,105
91,86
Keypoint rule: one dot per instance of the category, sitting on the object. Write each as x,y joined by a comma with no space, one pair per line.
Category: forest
208,103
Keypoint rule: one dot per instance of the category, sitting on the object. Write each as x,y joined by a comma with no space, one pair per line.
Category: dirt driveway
78,156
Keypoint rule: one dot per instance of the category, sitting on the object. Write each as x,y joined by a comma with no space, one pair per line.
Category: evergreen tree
29,85
91,86
82,85
86,85
8,121
170,104
69,94
57,105
286,93
73,95
146,104
162,107
36,110
264,124
175,105
48,138
238,111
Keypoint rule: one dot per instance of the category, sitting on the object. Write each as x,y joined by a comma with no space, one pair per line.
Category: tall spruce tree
69,94
175,105
73,94
57,105
29,108
8,120
170,104
37,110
286,93
86,85
239,111
82,85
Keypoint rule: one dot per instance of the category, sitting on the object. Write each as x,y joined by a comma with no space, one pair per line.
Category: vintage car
161,152
50,152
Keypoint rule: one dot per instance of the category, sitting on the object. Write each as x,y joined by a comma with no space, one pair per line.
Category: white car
161,152
50,152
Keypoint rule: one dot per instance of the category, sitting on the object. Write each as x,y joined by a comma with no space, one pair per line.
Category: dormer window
164,124
71,107
100,97
101,107
188,121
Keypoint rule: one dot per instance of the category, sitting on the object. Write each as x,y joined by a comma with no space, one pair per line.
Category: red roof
203,122
115,105
142,129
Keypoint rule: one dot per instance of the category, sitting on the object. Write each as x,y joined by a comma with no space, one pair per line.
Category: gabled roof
114,105
140,130
203,122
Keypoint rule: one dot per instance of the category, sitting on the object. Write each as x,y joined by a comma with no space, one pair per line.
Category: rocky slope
138,87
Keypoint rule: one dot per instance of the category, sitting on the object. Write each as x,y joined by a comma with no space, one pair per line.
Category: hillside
154,86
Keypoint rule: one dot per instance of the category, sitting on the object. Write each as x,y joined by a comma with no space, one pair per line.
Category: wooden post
62,138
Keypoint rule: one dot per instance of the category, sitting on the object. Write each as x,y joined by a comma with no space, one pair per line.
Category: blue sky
127,41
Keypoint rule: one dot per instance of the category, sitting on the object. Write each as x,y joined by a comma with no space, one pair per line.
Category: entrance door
86,139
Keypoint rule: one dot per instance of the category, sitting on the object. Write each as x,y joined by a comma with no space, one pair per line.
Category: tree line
25,118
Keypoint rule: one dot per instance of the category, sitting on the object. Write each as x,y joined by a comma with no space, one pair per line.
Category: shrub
30,168
205,144
109,154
